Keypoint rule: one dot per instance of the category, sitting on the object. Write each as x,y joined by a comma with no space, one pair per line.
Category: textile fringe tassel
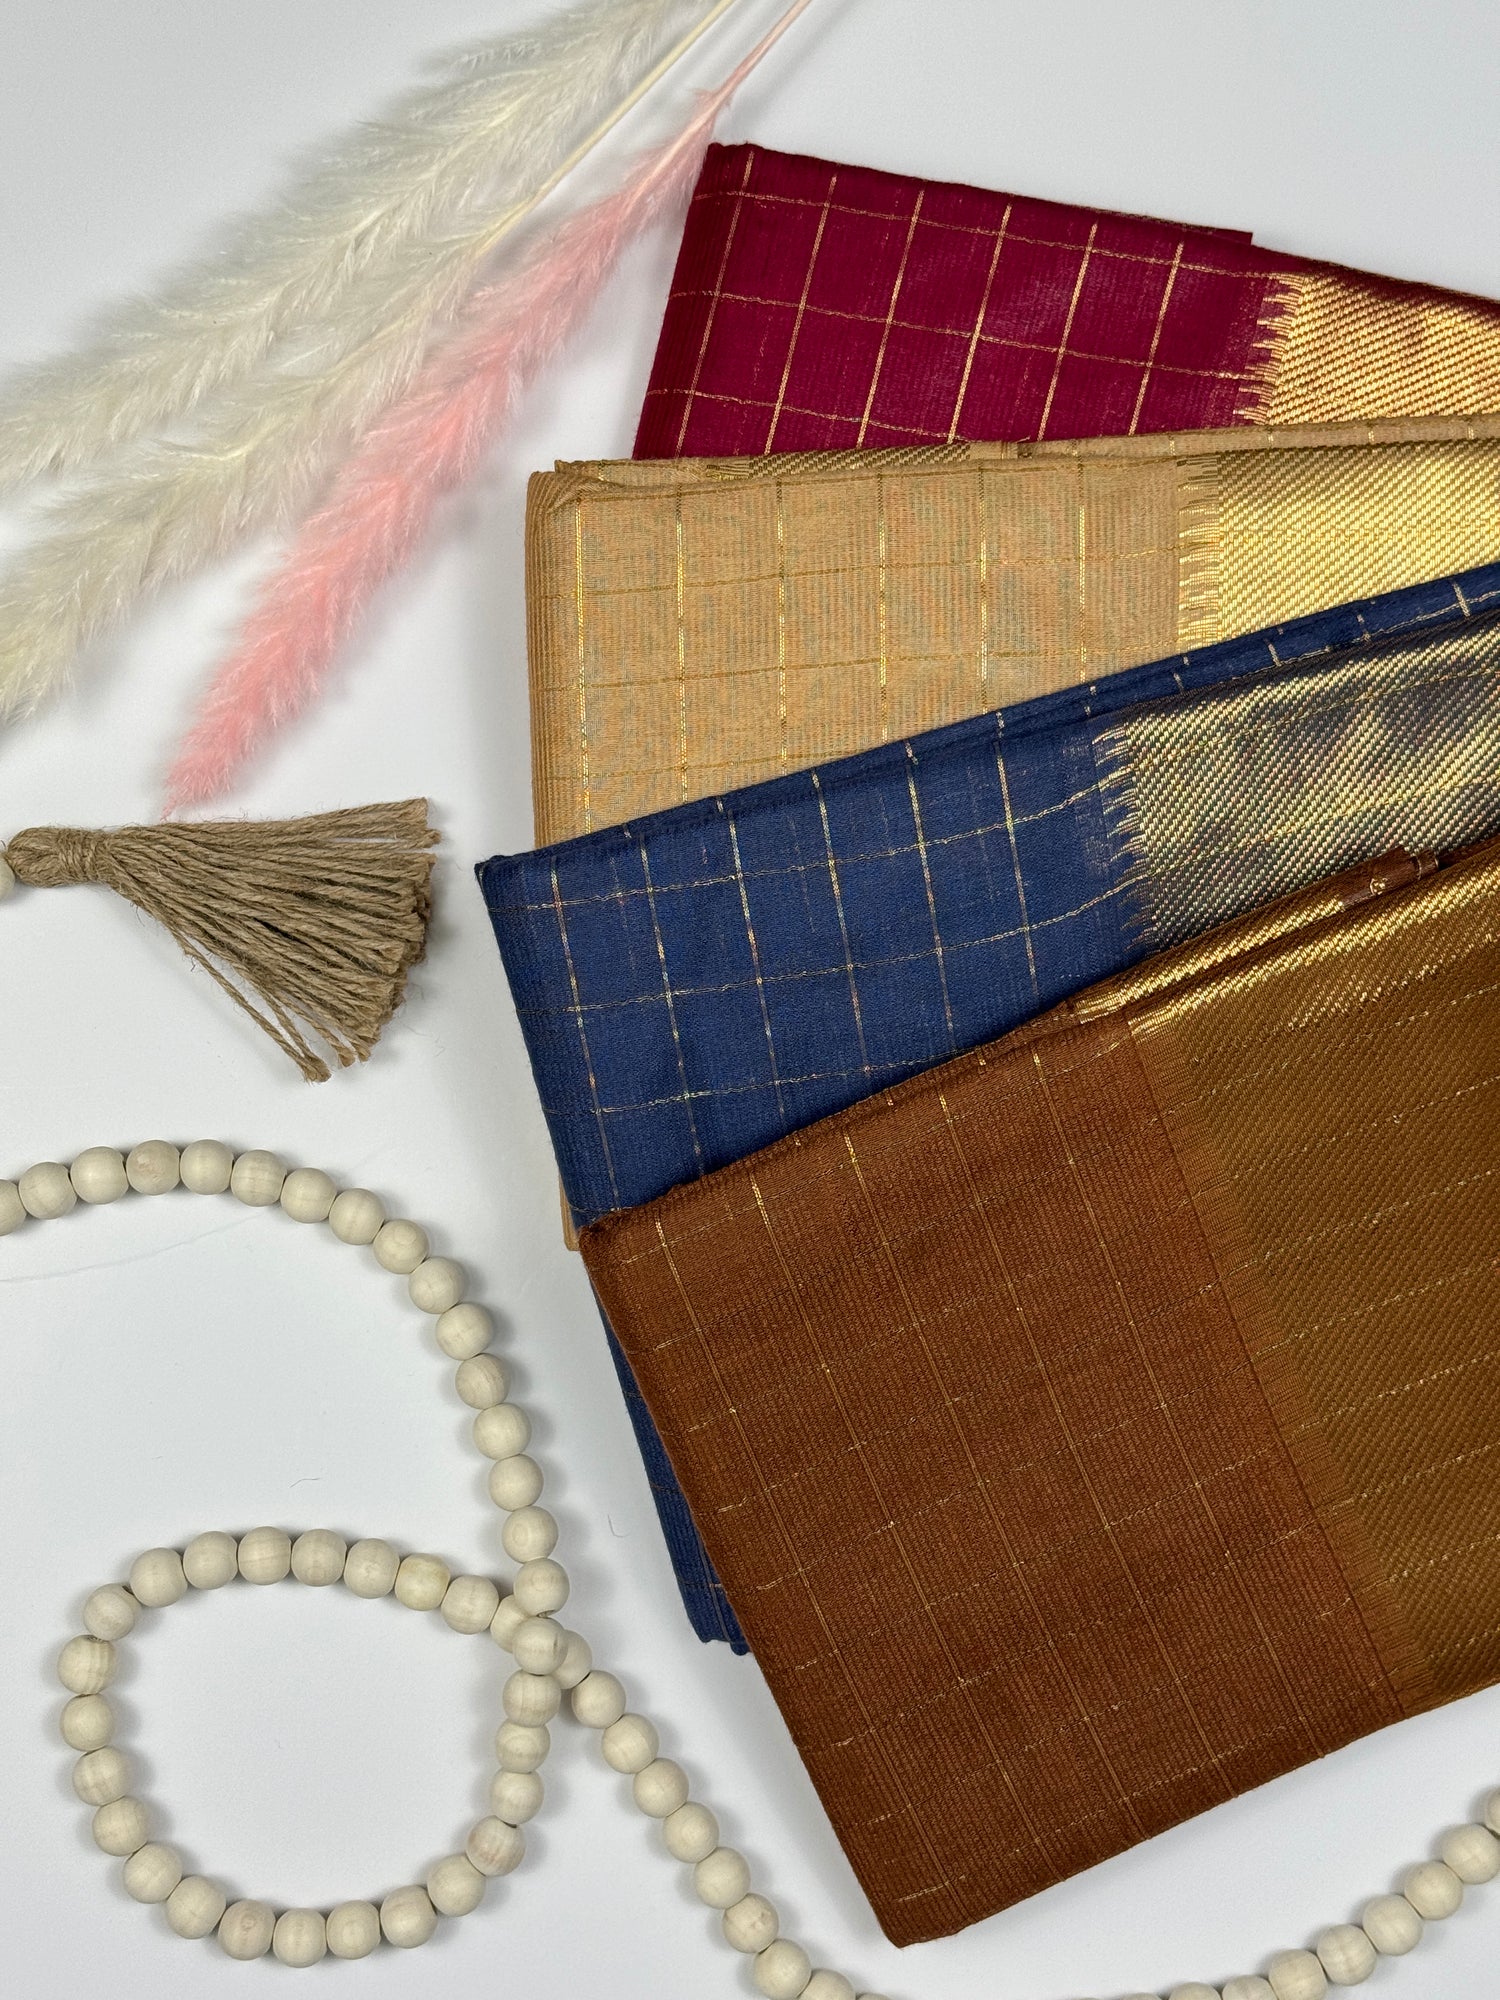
319,920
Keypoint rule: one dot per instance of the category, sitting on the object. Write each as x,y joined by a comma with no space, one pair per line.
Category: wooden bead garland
550,1661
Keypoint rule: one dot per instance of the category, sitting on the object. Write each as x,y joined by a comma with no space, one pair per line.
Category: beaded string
550,1660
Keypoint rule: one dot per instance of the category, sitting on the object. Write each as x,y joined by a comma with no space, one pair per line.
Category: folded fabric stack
1011,978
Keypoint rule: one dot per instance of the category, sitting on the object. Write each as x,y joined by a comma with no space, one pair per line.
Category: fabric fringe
1199,547
1284,295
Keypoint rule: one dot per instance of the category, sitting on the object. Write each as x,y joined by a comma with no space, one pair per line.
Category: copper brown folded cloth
709,623
819,307
1104,1423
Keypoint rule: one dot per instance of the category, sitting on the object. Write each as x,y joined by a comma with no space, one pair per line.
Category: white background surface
171,1366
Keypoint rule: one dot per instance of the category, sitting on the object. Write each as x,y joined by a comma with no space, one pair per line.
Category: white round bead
531,1698
751,1924
455,1886
195,1907
157,1578
102,1776
494,1846
353,1930
110,1611
422,1582
539,1645
782,1971
265,1555
691,1833
436,1285
515,1796
515,1482
481,1381
502,1430
1472,1852
318,1557
153,1167
86,1665
828,1986
87,1722
300,1937
1345,1954
522,1746
256,1179
1250,1986
1492,1812
211,1560
399,1246
246,1929
507,1622
630,1744
529,1535
1392,1926
598,1700
206,1166
661,1788
577,1661
121,1827
541,1587
370,1568
1433,1890
469,1603
152,1872
306,1196
355,1216
12,1208
46,1191
98,1175
407,1917
1296,1975
463,1329
722,1879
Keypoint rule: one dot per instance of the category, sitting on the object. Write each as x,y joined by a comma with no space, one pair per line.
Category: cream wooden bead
691,1833
522,1746
469,1603
422,1582
1296,1975
751,1924
87,1722
157,1578
257,1178
436,1286
541,1587
515,1796
598,1700
1249,1986
370,1568
577,1661
152,1872
407,1917
495,1846
507,1622
102,1776
86,1665
318,1557
722,1879
463,1329
307,1196
211,1560
300,1937
1492,1812
110,1612
353,1930
660,1789
539,1645
826,1985
630,1744
531,1698
355,1216
1392,1926
455,1886
98,1175
246,1929
501,1431
514,1482
399,1246
12,1208
121,1827
481,1380
1433,1890
529,1535
206,1166
153,1167
1345,1954
783,1969
265,1555
1472,1852
46,1191
195,1907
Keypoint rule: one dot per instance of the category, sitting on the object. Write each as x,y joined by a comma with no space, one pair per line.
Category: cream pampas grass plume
382,500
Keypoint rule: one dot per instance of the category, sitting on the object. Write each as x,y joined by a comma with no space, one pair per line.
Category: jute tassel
318,919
